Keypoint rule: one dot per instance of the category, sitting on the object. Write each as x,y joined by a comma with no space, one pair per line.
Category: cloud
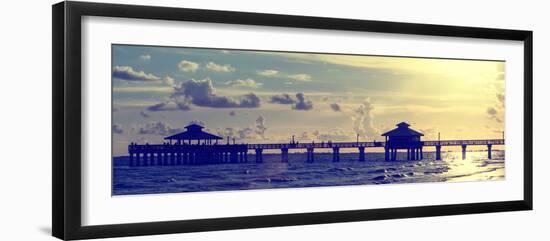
500,99
494,114
300,77
302,103
284,99
260,127
238,134
298,103
197,122
253,132
117,128
145,57
171,105
219,68
429,133
169,81
247,83
202,93
158,128
363,120
335,107
188,66
267,72
245,133
332,135
144,114
129,74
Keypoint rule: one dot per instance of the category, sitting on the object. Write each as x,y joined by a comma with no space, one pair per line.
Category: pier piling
284,154
310,155
464,152
361,153
438,152
335,154
259,157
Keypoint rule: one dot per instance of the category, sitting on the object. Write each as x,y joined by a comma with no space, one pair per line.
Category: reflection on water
297,173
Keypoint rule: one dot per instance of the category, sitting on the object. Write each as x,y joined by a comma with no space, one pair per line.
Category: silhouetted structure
194,133
195,146
406,138
192,147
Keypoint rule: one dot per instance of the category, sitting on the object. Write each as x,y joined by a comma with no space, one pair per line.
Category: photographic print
201,119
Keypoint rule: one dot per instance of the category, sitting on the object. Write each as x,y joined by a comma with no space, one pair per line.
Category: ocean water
297,173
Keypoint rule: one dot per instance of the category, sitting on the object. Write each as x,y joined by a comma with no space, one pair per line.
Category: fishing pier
195,147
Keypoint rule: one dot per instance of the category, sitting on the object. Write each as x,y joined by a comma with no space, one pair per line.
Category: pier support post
463,152
489,148
131,161
234,158
438,153
259,157
336,154
408,154
284,154
387,153
310,155
361,153
421,153
413,154
393,154
136,161
146,158
186,158
241,156
245,153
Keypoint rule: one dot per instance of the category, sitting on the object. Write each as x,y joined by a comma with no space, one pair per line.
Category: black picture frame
67,136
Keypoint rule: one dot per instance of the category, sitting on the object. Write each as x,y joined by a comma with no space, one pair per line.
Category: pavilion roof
403,130
194,132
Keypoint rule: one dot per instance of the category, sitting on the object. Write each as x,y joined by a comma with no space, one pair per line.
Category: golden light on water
476,167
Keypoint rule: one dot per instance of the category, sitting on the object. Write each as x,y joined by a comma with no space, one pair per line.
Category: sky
267,97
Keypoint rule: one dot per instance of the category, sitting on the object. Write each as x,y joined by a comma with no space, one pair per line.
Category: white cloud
188,66
219,67
248,83
129,74
143,89
363,120
169,81
145,57
267,72
171,105
300,77
158,128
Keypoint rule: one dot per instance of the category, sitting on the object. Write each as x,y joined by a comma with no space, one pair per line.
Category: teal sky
258,96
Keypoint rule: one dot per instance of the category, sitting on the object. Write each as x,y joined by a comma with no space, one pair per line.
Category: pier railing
183,154
371,144
464,142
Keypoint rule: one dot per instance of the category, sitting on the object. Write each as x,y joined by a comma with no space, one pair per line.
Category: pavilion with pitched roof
194,132
403,137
